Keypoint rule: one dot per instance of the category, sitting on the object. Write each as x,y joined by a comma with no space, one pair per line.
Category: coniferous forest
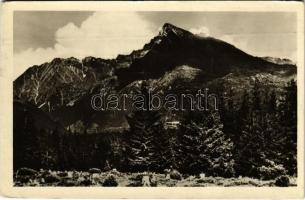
257,138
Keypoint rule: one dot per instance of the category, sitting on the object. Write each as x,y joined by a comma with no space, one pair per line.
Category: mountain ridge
63,87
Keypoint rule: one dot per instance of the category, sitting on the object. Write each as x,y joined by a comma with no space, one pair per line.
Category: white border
6,99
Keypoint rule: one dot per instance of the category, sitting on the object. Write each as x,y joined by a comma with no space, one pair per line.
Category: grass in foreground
114,178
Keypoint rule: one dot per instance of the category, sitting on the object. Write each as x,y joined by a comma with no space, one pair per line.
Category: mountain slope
175,47
173,61
60,82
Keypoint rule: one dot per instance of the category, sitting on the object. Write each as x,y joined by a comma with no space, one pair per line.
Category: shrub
110,181
24,179
51,178
136,180
271,171
26,172
282,181
175,175
44,173
86,182
67,182
153,180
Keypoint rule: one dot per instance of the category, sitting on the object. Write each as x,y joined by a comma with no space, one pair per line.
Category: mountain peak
168,28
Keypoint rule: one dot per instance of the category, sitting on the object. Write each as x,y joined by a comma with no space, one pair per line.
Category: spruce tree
162,149
189,147
217,150
242,164
272,129
204,148
147,143
262,142
251,147
139,142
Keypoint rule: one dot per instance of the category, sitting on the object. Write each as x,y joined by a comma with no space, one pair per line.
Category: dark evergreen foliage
256,137
147,142
204,148
265,140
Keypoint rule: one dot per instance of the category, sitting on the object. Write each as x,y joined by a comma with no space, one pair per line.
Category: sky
40,36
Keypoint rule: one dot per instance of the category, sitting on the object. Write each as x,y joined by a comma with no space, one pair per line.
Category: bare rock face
54,84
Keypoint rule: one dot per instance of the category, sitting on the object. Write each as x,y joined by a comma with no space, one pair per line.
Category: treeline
256,137
61,150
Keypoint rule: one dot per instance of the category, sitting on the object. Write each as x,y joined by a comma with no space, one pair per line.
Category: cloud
237,40
103,34
263,44
201,31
